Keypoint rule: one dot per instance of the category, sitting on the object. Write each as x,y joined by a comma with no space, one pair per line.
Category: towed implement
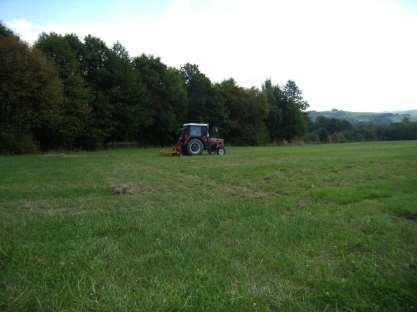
169,151
194,139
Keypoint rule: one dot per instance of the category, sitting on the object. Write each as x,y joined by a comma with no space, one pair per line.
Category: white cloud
355,55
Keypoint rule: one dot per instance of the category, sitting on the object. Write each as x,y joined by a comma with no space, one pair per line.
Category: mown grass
262,229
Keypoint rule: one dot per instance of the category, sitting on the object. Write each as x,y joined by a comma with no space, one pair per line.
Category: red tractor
197,137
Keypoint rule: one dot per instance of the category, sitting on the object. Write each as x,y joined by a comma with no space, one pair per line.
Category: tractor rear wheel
195,147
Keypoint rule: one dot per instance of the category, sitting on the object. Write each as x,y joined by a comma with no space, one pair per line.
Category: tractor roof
195,124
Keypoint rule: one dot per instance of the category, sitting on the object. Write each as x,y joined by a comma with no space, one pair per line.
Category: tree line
332,130
68,93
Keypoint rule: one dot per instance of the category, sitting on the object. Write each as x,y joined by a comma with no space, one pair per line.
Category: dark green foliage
332,125
76,111
339,131
405,130
295,96
245,112
93,96
323,135
127,94
286,120
71,94
30,96
200,93
274,119
95,66
361,117
177,94
167,100
5,32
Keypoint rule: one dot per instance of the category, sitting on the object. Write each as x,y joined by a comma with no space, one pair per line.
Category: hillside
365,117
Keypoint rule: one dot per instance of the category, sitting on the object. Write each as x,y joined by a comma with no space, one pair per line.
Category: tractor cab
195,130
197,137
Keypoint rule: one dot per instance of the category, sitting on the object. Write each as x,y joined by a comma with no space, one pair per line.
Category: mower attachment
169,151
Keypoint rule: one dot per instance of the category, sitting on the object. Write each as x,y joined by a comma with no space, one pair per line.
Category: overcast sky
358,55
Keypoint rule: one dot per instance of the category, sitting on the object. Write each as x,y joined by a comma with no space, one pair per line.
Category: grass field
297,228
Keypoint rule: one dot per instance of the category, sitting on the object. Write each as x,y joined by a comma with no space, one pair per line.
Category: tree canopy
72,93
30,96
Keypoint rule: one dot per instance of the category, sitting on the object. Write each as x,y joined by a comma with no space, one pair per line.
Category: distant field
294,228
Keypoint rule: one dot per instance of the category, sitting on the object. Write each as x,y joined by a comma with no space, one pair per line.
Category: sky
357,55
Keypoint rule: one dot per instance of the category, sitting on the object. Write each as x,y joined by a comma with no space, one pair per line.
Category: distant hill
358,117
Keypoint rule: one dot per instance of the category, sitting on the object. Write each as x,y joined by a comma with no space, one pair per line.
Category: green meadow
291,228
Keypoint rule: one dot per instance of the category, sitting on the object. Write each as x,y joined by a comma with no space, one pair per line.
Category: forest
332,130
67,93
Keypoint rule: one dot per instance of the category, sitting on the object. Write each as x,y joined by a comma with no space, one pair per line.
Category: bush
338,137
11,143
312,137
323,135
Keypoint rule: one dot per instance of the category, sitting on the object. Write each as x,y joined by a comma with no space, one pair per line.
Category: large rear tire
195,147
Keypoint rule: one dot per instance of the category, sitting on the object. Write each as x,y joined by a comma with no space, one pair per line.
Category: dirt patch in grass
63,155
244,192
305,202
122,189
227,188
408,215
130,189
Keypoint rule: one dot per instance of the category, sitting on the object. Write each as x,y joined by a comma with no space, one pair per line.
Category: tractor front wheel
221,151
195,147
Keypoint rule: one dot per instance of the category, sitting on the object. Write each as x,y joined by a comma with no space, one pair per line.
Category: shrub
17,143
